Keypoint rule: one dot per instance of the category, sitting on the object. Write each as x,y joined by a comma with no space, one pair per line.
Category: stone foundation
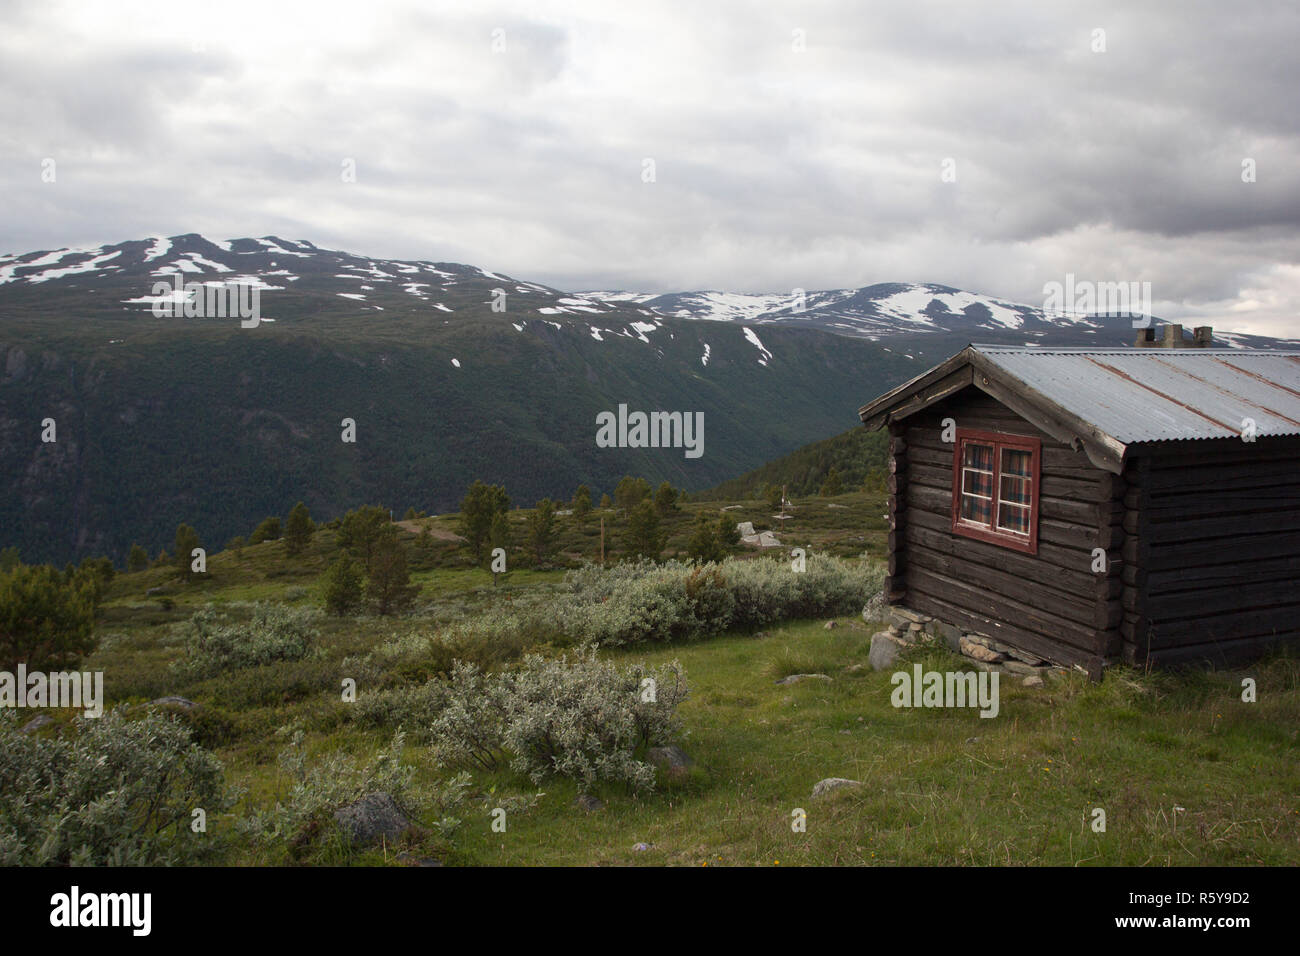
908,627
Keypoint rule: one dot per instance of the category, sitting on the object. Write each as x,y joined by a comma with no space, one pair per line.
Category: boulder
672,761
1033,680
823,787
979,652
374,817
746,528
884,650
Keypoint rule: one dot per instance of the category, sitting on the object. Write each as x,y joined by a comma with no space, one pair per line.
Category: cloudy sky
792,145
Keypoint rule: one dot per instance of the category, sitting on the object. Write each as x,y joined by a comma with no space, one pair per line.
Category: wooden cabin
1093,505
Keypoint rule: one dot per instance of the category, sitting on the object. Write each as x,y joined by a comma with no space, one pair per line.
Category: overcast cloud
775,167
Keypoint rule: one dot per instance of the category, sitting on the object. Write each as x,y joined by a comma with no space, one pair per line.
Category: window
995,488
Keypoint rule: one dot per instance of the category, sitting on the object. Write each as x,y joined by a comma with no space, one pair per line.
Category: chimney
1171,337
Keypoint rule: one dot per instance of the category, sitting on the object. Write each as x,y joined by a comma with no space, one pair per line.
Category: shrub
273,633
317,789
636,602
118,792
44,620
577,717
344,586
268,530
298,529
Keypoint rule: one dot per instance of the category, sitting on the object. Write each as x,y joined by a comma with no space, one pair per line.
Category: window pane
1015,490
977,483
979,456
1013,518
1016,462
976,509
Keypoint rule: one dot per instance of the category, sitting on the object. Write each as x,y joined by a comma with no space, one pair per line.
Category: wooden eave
969,367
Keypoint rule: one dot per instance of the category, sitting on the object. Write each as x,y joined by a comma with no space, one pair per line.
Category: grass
942,787
1185,771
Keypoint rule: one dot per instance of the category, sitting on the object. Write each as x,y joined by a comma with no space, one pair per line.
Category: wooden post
602,539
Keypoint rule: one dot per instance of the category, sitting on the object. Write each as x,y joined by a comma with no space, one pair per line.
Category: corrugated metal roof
1154,394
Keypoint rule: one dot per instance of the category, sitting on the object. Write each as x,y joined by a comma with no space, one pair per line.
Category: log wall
1052,604
1213,545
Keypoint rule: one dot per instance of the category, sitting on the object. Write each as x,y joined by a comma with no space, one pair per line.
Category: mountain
450,372
916,311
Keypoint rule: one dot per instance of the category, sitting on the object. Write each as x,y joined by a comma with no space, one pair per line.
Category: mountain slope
450,372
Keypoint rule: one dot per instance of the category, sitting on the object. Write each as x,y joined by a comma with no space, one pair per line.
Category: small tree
605,502
478,510
704,544
728,533
298,529
268,530
44,621
582,503
643,536
541,531
360,530
775,499
137,559
630,492
343,586
390,585
666,499
833,485
187,539
499,536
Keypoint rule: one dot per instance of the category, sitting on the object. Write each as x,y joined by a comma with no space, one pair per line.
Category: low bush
116,792
274,632
573,716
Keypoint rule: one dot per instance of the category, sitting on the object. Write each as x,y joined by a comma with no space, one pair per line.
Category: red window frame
990,532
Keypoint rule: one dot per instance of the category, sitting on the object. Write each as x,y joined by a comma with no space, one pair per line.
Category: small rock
153,592
642,847
979,639
35,724
884,650
822,787
979,652
831,625
375,816
854,668
1033,680
948,633
672,760
1026,657
796,678
1018,667
180,702
589,803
